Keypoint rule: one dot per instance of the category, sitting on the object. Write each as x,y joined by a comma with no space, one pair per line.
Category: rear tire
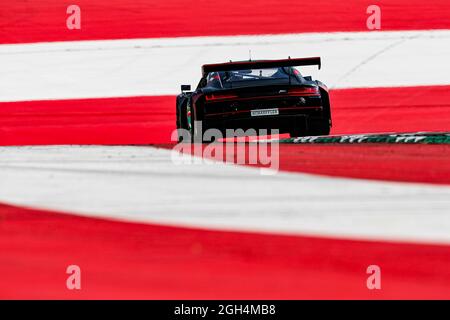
319,128
294,133
197,131
181,119
196,135
315,128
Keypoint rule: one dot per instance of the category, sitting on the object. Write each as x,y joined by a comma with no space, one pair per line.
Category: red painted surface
122,260
407,109
410,163
45,20
151,120
389,162
138,120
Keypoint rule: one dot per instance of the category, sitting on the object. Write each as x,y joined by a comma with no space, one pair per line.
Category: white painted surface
137,67
142,184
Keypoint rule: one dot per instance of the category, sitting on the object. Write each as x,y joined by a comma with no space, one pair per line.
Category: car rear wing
261,64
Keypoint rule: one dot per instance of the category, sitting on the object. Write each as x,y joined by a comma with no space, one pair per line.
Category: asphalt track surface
112,209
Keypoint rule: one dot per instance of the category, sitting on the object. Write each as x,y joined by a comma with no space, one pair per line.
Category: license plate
264,112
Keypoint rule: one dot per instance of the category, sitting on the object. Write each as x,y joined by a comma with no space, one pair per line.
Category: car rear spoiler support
242,65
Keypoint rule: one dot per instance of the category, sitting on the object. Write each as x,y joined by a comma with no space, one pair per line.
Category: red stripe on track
407,109
123,260
387,162
137,120
45,20
151,120
409,163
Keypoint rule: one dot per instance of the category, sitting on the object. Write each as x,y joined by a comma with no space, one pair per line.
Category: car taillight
304,91
213,97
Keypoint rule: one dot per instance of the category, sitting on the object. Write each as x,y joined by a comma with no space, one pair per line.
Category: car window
221,78
214,79
255,74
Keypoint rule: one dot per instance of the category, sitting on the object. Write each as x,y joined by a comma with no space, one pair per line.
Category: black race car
268,94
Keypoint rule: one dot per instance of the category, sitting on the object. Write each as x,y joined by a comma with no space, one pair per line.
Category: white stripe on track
136,67
143,184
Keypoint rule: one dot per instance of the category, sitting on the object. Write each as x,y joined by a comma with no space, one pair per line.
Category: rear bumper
283,123
288,118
